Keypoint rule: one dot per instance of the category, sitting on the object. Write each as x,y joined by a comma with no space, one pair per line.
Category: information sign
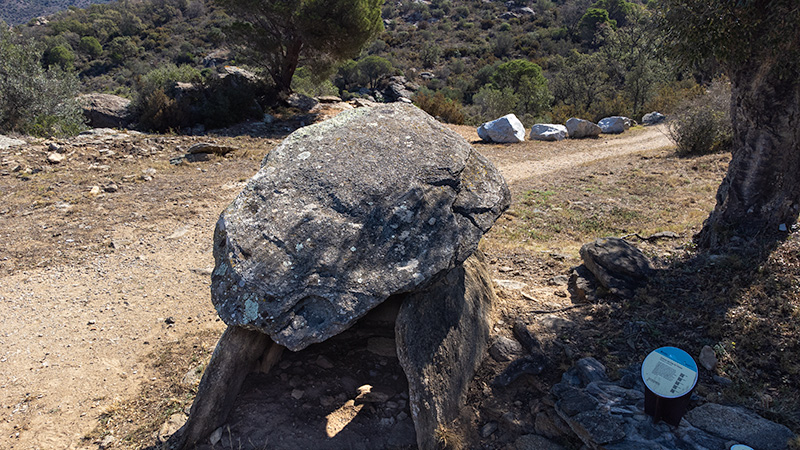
669,372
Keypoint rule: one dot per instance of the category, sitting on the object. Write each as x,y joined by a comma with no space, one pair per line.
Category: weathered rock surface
210,148
548,132
506,129
345,213
615,124
740,425
302,102
653,118
618,266
534,442
580,128
105,110
707,358
442,335
582,285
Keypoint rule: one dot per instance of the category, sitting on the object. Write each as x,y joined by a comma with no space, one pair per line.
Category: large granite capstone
374,202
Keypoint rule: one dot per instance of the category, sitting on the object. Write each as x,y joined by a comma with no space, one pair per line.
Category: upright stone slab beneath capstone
374,202
442,334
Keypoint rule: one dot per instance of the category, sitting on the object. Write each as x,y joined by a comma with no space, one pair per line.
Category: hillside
453,54
15,12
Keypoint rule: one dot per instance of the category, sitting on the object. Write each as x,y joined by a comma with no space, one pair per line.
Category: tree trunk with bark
760,195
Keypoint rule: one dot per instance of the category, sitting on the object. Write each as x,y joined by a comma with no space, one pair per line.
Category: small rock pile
610,415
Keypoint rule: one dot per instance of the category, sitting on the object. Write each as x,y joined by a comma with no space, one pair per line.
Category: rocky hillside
14,12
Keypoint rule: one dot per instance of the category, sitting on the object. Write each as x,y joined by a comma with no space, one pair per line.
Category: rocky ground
107,320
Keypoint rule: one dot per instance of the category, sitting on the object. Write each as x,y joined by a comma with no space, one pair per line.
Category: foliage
441,107
91,46
619,11
59,56
35,100
593,21
527,81
372,68
734,32
177,97
703,125
276,35
492,103
304,82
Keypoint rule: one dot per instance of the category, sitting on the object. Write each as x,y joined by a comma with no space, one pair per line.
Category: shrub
492,103
34,100
703,125
441,107
90,46
60,56
304,82
213,101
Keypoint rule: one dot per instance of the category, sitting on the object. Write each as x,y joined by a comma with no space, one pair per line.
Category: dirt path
533,158
93,286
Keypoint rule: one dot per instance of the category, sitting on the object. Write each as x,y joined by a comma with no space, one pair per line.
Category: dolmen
507,129
376,203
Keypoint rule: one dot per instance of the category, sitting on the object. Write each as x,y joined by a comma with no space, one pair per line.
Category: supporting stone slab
235,356
442,335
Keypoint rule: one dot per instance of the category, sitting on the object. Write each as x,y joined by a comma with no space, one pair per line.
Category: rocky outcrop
105,110
507,129
615,124
548,132
653,118
580,128
740,425
444,326
302,102
345,213
610,415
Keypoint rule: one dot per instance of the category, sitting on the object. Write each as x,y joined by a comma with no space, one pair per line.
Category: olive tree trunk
760,195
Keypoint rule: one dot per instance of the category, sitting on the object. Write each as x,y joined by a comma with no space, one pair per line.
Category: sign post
669,375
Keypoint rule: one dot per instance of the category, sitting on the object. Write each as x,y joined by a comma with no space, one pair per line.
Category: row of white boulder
508,129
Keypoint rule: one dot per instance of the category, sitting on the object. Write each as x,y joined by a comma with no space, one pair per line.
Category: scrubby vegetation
544,60
34,99
702,124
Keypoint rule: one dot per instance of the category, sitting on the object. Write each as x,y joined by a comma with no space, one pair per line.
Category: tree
276,34
526,80
592,21
580,81
373,68
757,43
634,62
34,100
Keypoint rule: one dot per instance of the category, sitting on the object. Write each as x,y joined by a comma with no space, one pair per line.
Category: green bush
703,124
491,103
304,82
441,107
91,46
34,100
59,56
212,101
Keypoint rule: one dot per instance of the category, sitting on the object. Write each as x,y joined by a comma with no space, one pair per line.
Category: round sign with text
669,372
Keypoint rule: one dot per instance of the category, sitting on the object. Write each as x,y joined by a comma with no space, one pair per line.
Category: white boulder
507,129
580,128
548,132
615,124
